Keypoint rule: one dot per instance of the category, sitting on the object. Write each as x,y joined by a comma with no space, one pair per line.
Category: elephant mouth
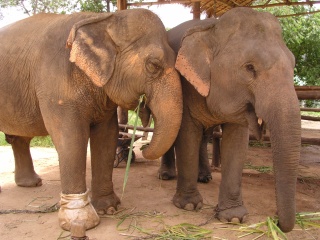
256,124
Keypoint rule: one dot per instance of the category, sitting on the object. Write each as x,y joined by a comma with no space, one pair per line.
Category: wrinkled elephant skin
65,75
235,70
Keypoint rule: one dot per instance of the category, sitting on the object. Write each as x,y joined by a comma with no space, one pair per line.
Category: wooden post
122,117
196,10
121,4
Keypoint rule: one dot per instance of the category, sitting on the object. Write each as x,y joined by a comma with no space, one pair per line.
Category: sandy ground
147,200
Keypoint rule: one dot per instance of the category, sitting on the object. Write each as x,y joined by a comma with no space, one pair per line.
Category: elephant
167,170
64,76
235,70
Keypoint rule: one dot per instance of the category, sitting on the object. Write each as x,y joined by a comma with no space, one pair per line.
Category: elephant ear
196,55
92,49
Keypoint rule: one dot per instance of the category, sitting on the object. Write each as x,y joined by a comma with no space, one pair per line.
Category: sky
170,14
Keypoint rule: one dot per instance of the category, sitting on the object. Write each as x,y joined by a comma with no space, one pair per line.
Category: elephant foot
166,174
33,180
233,214
106,204
77,208
204,177
189,201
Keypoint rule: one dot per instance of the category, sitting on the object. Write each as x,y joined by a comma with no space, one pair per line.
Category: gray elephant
236,69
71,92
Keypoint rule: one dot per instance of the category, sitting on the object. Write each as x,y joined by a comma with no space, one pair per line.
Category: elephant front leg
204,165
187,148
103,144
70,136
167,168
234,147
24,174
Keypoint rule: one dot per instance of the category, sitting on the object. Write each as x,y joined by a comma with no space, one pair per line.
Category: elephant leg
25,176
70,135
234,147
167,168
204,165
103,144
187,148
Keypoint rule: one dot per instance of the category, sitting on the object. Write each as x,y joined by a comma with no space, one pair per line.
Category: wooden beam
196,10
122,4
308,95
310,109
298,14
307,88
125,126
137,4
310,118
311,3
304,140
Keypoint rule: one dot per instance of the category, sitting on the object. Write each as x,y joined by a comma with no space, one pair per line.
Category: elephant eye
154,68
250,68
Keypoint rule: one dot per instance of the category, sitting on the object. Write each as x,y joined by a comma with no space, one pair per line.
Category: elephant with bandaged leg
65,75
235,70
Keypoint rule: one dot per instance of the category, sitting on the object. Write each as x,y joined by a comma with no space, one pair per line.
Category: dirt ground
147,200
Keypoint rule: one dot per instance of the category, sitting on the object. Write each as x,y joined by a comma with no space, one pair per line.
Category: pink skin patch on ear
186,69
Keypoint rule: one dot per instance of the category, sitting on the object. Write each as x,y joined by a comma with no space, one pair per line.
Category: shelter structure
215,8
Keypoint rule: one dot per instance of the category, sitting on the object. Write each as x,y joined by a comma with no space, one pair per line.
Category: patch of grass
270,229
132,117
42,142
262,169
179,231
311,114
3,141
35,142
255,143
125,215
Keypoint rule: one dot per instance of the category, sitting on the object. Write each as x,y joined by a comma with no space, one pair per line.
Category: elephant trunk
165,103
284,123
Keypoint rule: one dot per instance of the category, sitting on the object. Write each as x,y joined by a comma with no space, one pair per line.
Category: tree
301,34
31,7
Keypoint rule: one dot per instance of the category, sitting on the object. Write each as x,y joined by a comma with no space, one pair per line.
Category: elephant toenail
101,212
199,206
111,210
189,207
244,218
177,205
235,220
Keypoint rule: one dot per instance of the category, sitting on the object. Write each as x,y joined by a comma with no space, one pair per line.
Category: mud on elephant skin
72,93
235,70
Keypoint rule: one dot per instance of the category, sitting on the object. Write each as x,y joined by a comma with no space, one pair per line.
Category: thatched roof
217,7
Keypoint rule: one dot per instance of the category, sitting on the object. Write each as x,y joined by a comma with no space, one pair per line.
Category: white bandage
77,207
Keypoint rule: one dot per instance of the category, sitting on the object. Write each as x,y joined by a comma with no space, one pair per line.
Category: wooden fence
303,93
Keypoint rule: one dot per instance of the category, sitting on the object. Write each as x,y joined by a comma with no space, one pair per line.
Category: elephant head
128,60
242,67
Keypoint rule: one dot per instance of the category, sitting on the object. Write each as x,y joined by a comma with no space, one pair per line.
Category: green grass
262,169
255,143
311,114
3,140
132,117
36,141
42,142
